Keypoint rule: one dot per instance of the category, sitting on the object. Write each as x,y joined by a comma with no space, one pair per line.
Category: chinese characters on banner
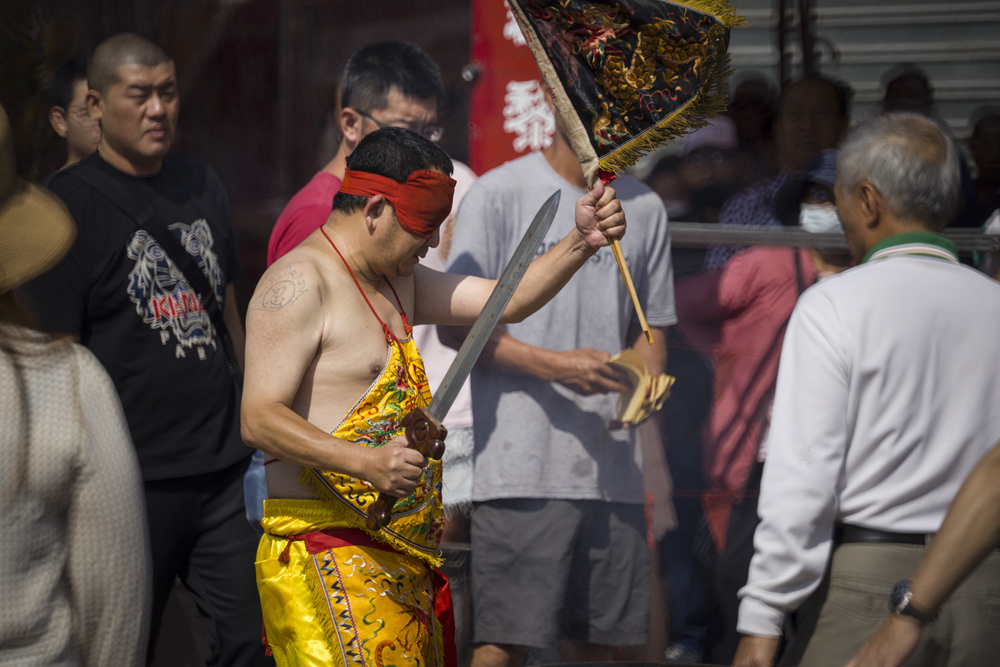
509,116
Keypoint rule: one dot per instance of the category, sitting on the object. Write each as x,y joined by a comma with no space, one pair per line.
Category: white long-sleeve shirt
886,398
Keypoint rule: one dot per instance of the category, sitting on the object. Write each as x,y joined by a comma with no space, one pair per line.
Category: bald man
122,296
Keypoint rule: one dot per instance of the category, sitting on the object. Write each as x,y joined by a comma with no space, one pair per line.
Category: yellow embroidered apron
331,598
417,520
349,596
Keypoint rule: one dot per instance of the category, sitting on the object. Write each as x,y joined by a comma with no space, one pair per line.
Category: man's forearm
282,434
506,353
457,300
655,355
510,355
971,530
599,217
755,651
584,371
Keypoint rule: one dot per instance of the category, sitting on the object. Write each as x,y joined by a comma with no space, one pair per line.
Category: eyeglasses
430,132
80,113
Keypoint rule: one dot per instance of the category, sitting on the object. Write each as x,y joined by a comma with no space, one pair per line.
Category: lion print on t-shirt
161,294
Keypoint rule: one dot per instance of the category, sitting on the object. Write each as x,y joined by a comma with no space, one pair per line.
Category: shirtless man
331,368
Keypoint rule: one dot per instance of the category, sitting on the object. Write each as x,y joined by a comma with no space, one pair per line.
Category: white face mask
819,219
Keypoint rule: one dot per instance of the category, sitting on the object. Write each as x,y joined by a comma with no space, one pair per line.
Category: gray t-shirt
536,439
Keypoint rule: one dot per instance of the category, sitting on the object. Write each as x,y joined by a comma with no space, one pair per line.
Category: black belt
846,534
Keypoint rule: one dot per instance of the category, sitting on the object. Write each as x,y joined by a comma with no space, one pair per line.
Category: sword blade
473,346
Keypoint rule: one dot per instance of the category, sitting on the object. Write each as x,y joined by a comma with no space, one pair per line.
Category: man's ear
95,104
350,124
57,119
870,204
374,212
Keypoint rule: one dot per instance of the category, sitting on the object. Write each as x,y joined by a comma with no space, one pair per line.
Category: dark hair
373,71
60,91
395,153
982,115
897,72
842,89
126,48
890,80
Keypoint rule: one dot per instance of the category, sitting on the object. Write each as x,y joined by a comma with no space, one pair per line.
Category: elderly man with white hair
886,399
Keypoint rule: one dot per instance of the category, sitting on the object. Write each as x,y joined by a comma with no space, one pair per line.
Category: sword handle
425,434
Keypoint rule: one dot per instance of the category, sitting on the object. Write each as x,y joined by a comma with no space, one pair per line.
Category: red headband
421,202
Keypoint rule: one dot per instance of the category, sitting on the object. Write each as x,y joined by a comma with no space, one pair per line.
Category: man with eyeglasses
69,116
390,84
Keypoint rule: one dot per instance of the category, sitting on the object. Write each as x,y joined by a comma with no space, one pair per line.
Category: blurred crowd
532,461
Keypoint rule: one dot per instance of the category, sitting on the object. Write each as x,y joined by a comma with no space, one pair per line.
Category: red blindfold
421,202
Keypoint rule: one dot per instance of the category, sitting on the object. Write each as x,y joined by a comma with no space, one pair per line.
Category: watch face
899,603
900,596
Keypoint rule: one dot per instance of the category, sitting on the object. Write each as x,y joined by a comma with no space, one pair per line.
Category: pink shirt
741,310
305,213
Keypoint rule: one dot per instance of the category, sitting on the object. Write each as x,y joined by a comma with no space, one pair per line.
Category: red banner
508,113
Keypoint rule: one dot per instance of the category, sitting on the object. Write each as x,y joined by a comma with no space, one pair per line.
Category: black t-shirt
135,311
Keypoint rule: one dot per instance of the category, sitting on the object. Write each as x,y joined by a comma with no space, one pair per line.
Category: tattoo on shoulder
281,291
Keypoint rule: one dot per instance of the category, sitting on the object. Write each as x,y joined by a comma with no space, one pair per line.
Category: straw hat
36,229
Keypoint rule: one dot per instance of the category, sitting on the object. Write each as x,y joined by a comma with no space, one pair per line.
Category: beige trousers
966,634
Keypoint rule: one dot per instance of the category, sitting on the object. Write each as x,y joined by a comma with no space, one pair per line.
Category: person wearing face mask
738,315
819,218
813,114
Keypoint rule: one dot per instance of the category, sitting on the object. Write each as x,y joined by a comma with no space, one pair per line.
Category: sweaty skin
314,347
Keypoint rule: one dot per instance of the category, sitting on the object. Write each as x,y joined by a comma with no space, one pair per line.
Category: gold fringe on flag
627,76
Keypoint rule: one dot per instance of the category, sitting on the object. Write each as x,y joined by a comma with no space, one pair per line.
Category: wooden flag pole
616,248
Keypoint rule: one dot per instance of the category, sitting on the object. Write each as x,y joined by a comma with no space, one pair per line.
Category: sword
423,427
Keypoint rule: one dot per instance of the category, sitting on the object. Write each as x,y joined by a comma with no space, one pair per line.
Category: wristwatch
901,602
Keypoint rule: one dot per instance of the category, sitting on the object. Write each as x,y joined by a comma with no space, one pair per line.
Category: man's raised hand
599,216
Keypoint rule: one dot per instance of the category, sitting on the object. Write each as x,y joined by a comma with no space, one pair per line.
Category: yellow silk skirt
347,605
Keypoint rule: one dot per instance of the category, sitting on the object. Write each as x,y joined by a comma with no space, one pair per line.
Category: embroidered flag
627,75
